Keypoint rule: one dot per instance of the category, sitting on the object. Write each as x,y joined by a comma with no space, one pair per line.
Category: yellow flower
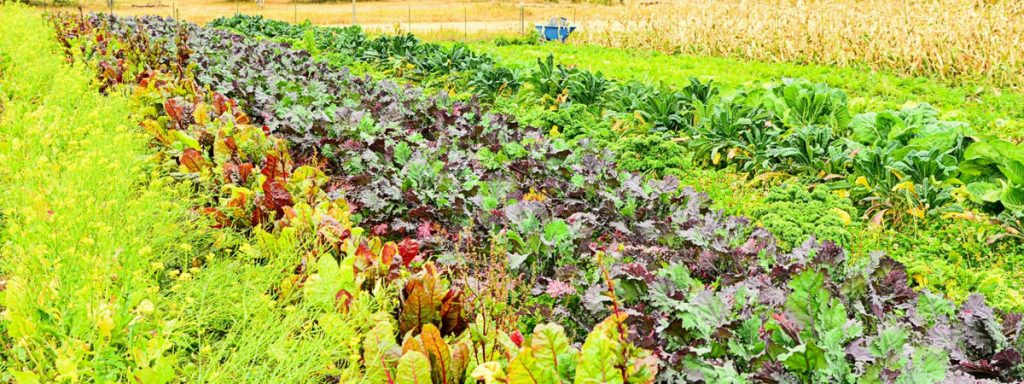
916,212
842,193
554,131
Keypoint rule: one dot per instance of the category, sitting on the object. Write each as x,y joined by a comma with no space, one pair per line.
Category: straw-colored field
505,14
952,40
945,39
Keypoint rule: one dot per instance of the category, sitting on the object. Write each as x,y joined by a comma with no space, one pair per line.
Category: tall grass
107,275
84,223
954,40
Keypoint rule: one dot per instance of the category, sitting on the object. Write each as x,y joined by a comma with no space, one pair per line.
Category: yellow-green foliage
83,223
955,256
111,276
241,321
794,214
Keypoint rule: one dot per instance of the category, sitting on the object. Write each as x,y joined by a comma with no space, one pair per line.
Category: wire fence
420,17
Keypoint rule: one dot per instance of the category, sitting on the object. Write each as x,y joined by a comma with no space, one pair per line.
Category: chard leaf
413,368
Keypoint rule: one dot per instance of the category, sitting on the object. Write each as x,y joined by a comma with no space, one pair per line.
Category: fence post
353,12
409,18
522,17
295,10
465,21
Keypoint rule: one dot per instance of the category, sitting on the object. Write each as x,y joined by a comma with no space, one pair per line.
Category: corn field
957,41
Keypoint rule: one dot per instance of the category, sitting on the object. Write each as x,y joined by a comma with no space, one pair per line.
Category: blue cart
556,29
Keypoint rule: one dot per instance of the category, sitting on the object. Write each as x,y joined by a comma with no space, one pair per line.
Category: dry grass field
950,40
957,41
429,13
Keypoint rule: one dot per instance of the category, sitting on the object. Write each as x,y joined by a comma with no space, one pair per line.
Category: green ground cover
109,273
990,110
84,221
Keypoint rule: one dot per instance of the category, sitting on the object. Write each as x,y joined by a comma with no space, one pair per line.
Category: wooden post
353,12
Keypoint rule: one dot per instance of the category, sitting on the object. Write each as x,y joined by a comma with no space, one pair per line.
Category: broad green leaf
556,231
598,359
187,140
929,366
808,294
523,368
984,192
601,354
889,341
1014,171
25,377
995,151
552,351
402,153
413,368
931,306
1013,197
804,358
377,343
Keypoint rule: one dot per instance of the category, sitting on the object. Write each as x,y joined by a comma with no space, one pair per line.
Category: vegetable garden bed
390,233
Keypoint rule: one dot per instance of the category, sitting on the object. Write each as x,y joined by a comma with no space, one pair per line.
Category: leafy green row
893,163
910,197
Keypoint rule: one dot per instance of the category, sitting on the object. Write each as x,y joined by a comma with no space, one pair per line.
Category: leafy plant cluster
794,214
909,184
686,293
751,314
894,164
428,167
